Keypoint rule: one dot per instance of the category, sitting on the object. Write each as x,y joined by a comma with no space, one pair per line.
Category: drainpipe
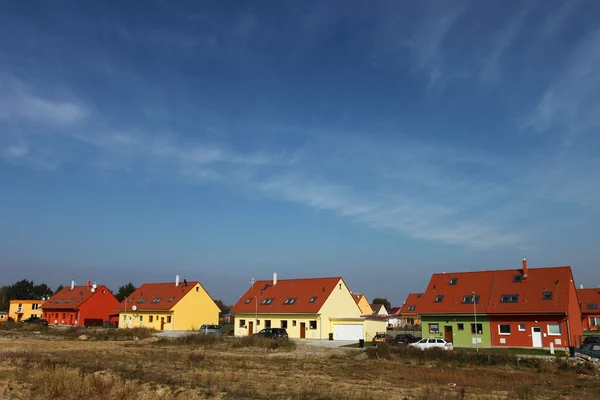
568,330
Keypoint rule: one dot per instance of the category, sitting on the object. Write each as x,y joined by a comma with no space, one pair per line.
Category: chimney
72,284
274,278
581,286
89,285
524,268
176,280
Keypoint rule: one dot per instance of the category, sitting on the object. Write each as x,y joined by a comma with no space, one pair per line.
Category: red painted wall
60,317
585,321
97,307
574,316
524,338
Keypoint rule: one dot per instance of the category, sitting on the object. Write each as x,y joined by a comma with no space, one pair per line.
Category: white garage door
348,332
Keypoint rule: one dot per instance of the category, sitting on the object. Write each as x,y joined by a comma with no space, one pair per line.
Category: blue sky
378,141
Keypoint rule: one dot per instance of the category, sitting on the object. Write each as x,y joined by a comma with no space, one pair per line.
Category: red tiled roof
303,290
411,300
394,310
588,297
490,286
156,296
71,299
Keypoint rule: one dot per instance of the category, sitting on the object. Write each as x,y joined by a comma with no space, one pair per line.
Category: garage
348,331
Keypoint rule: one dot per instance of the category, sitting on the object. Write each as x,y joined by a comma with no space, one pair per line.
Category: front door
302,330
448,333
250,328
536,336
162,323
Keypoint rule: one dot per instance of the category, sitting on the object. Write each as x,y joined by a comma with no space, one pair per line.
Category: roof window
59,301
248,300
313,299
266,301
411,308
518,278
290,300
142,300
453,281
265,287
171,299
156,300
439,299
470,299
509,298
592,306
547,296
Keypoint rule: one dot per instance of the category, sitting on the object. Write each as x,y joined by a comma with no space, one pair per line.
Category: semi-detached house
526,307
309,308
589,299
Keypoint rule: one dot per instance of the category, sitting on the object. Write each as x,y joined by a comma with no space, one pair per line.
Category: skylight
411,308
171,299
142,300
469,299
267,301
453,281
69,301
265,287
156,300
439,299
509,298
313,299
59,301
518,278
592,306
547,296
248,300
290,300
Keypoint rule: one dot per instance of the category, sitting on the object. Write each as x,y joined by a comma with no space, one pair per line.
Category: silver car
211,330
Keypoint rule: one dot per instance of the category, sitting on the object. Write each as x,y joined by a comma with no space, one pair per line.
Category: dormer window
248,300
439,299
518,278
290,300
470,299
313,299
267,301
453,281
509,298
547,296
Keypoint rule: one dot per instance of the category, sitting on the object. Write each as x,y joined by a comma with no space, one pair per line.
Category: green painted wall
462,338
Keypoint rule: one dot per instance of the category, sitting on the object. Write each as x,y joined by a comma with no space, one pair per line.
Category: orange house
590,314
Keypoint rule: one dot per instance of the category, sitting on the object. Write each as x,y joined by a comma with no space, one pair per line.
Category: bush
193,339
265,343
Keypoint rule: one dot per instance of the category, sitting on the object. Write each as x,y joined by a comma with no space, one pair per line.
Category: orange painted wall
524,338
98,307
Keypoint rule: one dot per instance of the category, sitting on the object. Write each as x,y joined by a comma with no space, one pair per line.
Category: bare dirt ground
35,366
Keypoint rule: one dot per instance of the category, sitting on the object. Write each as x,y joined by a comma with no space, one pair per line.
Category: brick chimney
524,268
89,285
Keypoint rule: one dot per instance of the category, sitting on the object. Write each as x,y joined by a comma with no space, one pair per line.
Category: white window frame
594,321
502,333
554,334
522,327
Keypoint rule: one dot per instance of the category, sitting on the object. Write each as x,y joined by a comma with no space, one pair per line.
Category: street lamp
475,316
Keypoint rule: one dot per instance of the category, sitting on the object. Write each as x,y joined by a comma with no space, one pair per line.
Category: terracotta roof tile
287,296
451,288
71,299
157,296
412,300
587,298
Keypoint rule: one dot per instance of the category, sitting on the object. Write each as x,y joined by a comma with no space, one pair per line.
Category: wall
27,309
339,304
461,338
524,338
373,327
574,316
364,306
195,309
98,306
293,330
133,319
585,322
61,316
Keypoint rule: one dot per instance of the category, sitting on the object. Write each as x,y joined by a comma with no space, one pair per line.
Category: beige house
310,308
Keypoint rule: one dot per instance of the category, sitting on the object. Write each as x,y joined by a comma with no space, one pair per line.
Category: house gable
340,303
195,309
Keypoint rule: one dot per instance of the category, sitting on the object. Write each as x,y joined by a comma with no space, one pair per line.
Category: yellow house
23,309
310,308
362,303
3,316
168,306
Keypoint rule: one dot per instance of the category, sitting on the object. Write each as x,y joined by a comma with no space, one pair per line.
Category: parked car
211,330
431,343
406,338
591,349
384,338
35,320
590,339
274,333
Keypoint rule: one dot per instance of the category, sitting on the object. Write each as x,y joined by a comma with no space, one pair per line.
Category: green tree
385,302
23,290
124,291
4,298
59,288
222,306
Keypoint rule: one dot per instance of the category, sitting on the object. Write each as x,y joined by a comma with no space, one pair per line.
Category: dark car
591,349
590,339
35,320
274,333
406,338
383,338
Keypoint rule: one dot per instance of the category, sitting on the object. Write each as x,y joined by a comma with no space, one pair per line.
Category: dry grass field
50,366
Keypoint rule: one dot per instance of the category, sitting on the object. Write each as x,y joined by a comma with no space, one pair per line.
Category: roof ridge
499,270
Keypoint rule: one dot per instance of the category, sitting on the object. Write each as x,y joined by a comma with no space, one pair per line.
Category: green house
459,329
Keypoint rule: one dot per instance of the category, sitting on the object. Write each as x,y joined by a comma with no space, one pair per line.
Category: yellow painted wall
195,309
372,327
339,304
141,319
3,317
293,329
27,308
364,306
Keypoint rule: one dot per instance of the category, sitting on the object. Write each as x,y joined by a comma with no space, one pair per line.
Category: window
142,300
36,306
267,323
522,327
124,317
64,315
130,300
312,324
197,288
547,296
518,278
156,300
265,287
59,301
150,318
461,327
439,299
554,329
242,323
291,300
434,328
509,298
469,299
313,299
284,324
453,281
258,322
69,301
590,306
171,299
594,321
141,318
267,301
168,319
504,329
293,322
248,300
411,308
479,329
